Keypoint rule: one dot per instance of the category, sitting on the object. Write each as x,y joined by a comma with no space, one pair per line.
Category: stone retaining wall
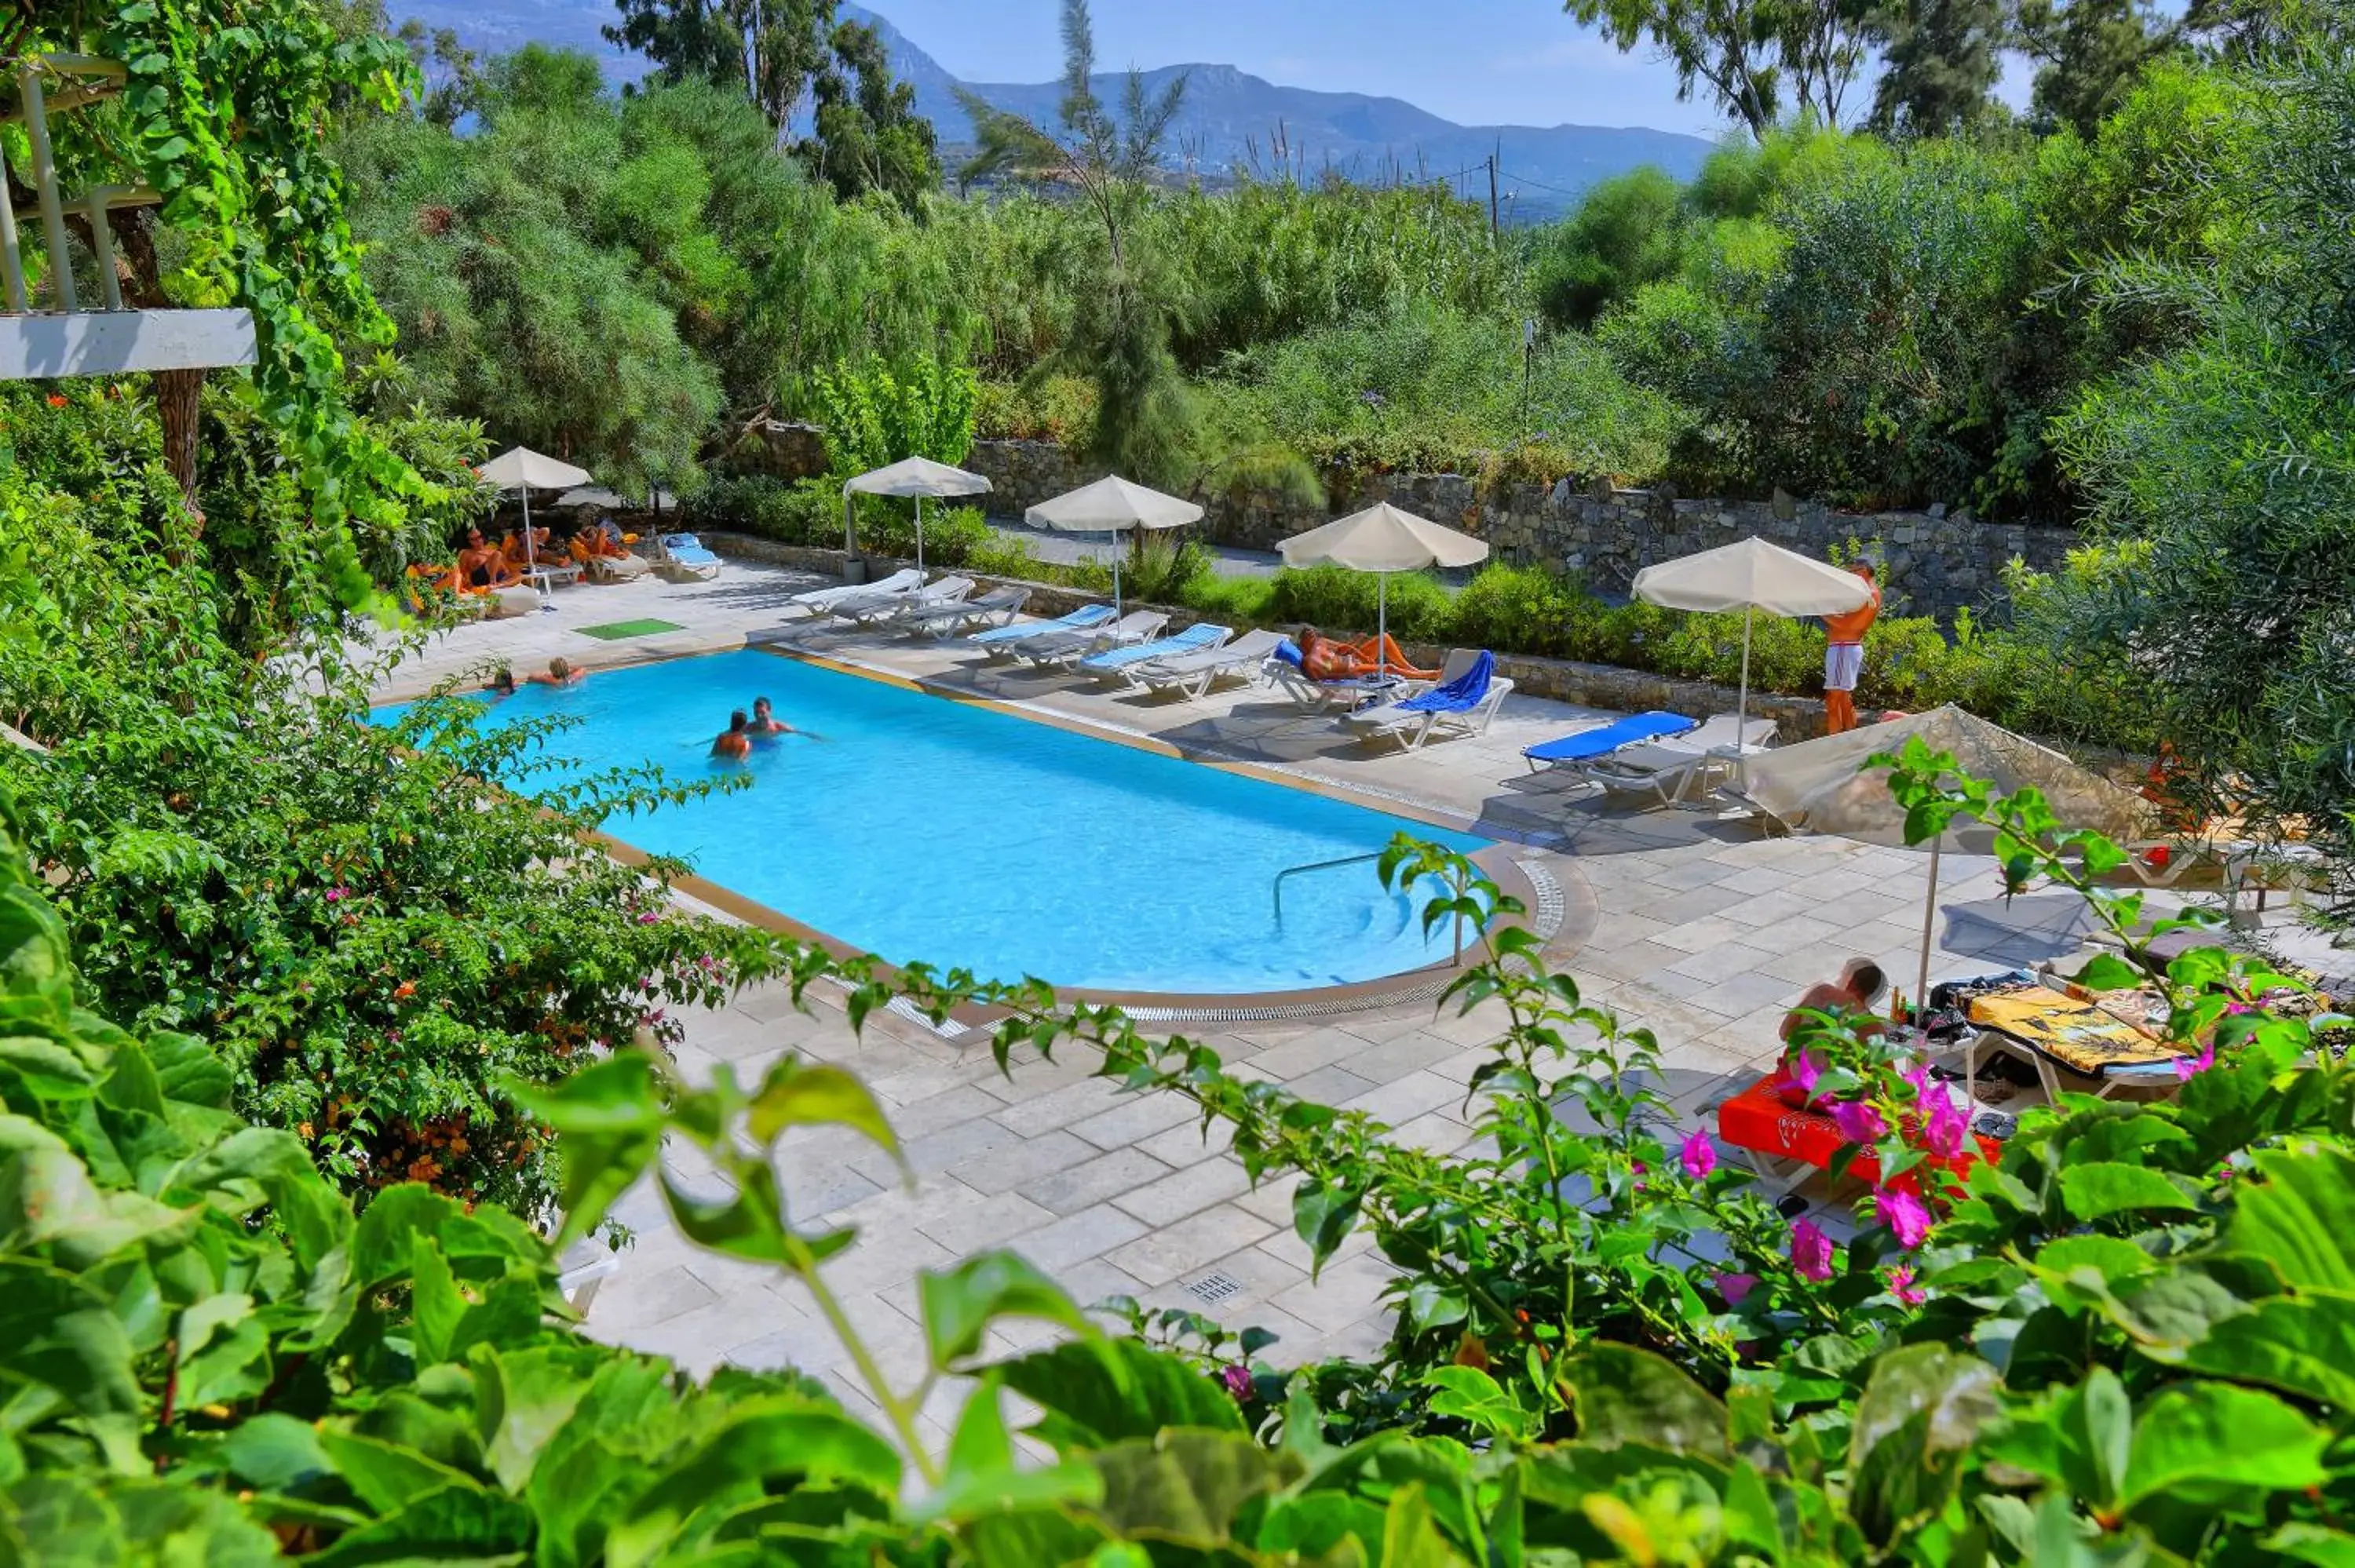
1935,562
1562,680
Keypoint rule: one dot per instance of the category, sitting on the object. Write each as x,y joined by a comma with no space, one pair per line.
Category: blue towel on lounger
1199,635
1461,695
1289,651
1603,739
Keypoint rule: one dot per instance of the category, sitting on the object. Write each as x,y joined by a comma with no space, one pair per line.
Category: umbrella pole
919,532
1381,624
1115,583
1741,704
1929,911
530,560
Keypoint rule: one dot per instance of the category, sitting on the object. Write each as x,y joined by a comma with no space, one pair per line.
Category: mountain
1232,123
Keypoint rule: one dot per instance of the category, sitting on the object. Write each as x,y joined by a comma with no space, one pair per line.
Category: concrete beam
112,343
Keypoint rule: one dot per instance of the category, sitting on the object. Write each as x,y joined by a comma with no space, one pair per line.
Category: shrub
878,414
802,512
1335,599
1059,408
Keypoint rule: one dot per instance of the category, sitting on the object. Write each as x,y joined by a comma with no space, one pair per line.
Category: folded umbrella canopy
522,469
1382,539
1750,575
917,477
1112,505
1822,786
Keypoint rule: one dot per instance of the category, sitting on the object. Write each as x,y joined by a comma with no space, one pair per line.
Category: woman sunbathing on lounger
1326,658
513,549
481,566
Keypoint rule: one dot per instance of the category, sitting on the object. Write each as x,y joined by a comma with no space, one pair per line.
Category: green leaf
275,1453
1434,1304
2314,1544
1410,1538
797,1094
1186,1486
2303,1346
2208,1435
1924,1406
461,1524
522,1398
1471,1396
2102,1188
610,1117
1629,1395
385,1245
436,1305
2107,971
2299,1216
766,1447
982,1477
385,1476
1323,1215
960,1304
1100,1393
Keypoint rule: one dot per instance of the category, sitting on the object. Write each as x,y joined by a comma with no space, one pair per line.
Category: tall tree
1120,336
868,134
2090,53
1941,60
1759,58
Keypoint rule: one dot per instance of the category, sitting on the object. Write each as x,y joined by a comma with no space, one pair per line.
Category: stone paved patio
1703,929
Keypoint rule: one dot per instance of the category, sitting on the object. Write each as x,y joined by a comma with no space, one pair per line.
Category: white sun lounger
995,608
1347,695
883,608
1062,647
818,602
1193,674
1113,664
1412,726
1676,768
1086,618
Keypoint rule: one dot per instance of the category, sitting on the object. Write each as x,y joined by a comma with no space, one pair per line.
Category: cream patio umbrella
1750,575
917,477
1822,786
1112,505
522,469
1382,539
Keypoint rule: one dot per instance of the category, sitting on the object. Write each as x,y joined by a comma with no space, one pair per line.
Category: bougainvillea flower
1238,1379
1698,1154
1904,1214
1805,1071
1901,1285
1858,1122
1811,1251
1946,1131
2189,1067
1736,1288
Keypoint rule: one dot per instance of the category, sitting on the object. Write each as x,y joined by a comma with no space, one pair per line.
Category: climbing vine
225,112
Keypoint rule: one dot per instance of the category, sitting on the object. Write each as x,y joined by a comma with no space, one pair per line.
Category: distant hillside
1233,124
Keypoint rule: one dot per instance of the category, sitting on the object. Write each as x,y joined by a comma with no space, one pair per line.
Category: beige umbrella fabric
522,469
1822,786
1382,539
1750,575
1112,505
917,477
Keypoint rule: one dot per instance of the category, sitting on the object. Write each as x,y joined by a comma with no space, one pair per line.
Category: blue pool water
922,828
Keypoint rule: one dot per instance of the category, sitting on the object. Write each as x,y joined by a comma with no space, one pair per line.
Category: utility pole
1492,193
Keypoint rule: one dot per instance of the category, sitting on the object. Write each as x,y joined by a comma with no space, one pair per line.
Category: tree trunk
178,393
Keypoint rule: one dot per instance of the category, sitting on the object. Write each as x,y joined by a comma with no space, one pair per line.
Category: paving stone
1009,1170
1138,1116
633,1299
1406,1052
1329,1086
1189,1144
1739,994
1106,1176
1169,1251
1347,1290
1187,1191
1300,1057
1094,1233
1061,1107
1721,961
986,1220
1407,1098
941,1151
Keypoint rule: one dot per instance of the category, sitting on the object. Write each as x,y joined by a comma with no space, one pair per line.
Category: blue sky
1473,61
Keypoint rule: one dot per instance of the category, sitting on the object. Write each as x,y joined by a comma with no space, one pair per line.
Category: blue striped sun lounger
1592,745
1194,639
1081,620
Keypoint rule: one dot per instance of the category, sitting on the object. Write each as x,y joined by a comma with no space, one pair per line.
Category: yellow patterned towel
2083,1039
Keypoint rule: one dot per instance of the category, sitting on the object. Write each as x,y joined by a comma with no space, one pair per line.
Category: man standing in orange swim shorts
1844,654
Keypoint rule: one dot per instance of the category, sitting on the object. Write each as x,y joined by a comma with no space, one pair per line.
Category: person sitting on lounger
1324,658
513,549
481,566
561,671
1384,653
1847,1002
734,743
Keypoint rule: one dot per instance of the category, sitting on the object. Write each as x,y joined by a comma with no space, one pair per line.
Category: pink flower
1640,1170
2189,1067
1918,1074
1700,1155
1945,1133
648,917
1238,1379
1901,1285
1811,1251
1736,1288
338,895
1805,1071
1904,1214
1858,1122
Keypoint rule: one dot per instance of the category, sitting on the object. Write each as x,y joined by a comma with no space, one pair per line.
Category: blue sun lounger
1592,745
1079,620
1193,640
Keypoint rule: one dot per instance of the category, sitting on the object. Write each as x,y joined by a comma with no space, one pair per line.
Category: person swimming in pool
561,671
734,743
766,726
501,684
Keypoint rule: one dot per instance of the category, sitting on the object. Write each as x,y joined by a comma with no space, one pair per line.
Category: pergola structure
64,337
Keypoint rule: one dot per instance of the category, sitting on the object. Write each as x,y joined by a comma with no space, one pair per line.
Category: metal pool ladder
1312,866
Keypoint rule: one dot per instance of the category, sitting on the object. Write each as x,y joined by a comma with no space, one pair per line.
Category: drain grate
1212,1289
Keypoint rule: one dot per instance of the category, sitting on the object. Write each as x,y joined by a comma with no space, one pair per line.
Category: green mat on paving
614,630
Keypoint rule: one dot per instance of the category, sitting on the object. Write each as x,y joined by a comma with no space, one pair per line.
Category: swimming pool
921,828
